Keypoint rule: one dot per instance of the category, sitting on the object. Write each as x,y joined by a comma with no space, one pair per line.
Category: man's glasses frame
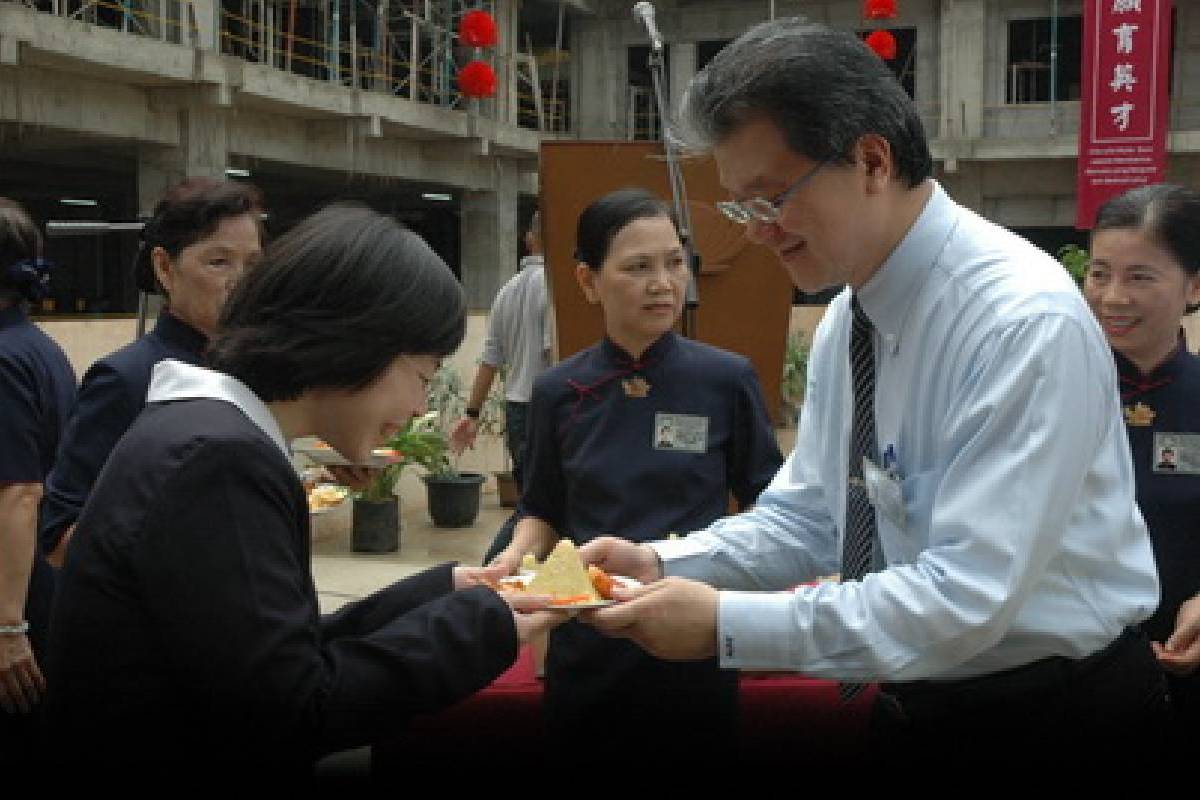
762,209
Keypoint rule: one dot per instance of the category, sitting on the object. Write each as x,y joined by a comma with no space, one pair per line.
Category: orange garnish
603,582
570,601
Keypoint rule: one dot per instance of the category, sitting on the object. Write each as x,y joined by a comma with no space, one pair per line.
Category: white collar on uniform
175,380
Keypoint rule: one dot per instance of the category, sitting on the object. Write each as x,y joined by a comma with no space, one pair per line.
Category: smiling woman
1143,277
187,624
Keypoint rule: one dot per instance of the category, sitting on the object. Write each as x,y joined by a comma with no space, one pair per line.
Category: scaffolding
406,48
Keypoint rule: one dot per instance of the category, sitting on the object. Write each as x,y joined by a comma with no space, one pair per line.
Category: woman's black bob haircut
332,304
601,221
1169,213
188,212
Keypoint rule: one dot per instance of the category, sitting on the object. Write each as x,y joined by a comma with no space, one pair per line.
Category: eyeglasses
762,209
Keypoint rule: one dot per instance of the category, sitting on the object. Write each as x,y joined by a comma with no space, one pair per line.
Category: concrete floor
342,575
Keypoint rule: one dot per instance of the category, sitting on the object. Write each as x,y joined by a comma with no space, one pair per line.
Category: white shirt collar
889,295
175,380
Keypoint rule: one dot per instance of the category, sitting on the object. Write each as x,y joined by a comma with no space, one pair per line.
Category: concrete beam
69,44
10,50
77,104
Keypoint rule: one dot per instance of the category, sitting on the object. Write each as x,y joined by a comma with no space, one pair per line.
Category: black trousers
1053,712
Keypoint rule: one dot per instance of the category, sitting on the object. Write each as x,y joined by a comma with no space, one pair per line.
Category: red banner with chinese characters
1123,111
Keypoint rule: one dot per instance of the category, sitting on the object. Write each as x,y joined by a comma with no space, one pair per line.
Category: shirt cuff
754,630
686,557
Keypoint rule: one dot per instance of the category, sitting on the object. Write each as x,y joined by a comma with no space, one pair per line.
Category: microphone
644,12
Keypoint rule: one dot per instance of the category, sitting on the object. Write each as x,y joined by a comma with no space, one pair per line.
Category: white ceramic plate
521,581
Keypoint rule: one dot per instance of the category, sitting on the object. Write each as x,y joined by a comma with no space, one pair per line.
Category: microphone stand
679,201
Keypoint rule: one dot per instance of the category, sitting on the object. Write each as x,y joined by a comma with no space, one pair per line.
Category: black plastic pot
453,499
375,526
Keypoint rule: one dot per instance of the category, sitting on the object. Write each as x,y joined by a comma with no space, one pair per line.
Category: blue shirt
639,448
37,394
1014,536
607,451
1162,409
111,396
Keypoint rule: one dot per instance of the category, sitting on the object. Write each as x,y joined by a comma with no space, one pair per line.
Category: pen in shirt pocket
889,460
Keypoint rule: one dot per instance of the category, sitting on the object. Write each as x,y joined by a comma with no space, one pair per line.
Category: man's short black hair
824,88
332,304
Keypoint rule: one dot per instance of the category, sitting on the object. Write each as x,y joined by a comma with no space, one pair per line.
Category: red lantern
879,9
477,79
883,43
478,29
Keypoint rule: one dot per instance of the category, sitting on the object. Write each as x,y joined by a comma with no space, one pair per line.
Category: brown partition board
745,296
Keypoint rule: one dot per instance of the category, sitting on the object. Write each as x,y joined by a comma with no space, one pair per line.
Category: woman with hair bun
643,433
186,628
1144,276
37,393
204,234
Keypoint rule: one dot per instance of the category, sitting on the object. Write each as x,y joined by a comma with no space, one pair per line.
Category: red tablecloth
778,711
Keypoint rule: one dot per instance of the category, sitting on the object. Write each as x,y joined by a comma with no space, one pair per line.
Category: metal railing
405,48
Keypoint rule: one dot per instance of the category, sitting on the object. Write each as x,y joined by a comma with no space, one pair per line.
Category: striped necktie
858,544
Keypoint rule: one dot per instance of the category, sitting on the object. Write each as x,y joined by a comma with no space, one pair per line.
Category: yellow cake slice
562,574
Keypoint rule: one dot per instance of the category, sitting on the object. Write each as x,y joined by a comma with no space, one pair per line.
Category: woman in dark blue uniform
37,392
642,434
203,235
1144,275
186,630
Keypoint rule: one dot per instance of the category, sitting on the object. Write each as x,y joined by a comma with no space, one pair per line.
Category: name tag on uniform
883,490
1176,453
685,432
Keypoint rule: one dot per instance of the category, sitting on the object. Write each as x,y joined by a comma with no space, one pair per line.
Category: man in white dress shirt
1007,564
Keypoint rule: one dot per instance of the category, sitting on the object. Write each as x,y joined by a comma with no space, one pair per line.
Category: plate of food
321,453
566,581
325,497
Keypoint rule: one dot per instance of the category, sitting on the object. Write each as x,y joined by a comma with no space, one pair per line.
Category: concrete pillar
964,24
683,67
205,15
203,151
489,235
509,85
598,81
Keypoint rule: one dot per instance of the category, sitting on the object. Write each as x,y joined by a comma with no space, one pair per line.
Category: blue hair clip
32,277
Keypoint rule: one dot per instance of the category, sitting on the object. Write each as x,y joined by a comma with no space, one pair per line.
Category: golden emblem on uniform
1139,415
637,386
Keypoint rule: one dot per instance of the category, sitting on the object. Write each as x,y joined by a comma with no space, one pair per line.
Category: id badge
883,490
1176,453
685,432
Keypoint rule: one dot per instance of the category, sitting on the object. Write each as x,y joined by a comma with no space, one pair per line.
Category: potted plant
453,495
1075,259
795,376
376,512
492,422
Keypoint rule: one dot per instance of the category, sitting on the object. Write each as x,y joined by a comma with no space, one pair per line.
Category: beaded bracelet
20,628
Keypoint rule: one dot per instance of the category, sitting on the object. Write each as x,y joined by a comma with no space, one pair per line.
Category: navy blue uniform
640,448
1161,410
37,393
111,396
186,629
